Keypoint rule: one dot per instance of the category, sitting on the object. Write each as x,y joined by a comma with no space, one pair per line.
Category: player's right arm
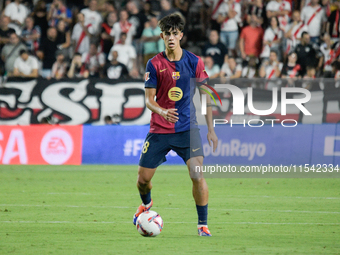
168,114
151,82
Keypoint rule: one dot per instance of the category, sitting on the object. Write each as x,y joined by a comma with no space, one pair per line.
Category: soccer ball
149,223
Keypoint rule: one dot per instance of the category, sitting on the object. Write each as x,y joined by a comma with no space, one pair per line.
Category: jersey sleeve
150,76
201,74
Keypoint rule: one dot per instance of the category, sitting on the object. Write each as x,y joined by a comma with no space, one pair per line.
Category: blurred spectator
93,61
115,69
308,82
212,69
291,69
231,69
167,9
123,26
77,69
148,11
326,5
107,7
81,35
229,16
46,52
251,39
294,31
333,24
127,55
40,17
17,12
304,3
25,65
325,62
250,70
183,6
106,40
213,6
256,9
314,17
31,35
114,120
153,44
108,120
306,54
59,67
5,31
271,70
11,51
310,74
92,17
272,39
58,11
63,37
280,9
138,19
215,49
336,69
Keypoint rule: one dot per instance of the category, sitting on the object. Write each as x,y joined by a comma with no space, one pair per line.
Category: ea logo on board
175,94
56,146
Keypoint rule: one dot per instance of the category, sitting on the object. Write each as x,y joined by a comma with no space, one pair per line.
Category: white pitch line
169,208
230,196
84,206
175,222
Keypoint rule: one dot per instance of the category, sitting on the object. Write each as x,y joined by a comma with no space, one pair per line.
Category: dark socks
202,212
146,198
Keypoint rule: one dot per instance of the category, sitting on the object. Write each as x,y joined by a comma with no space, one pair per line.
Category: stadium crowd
114,39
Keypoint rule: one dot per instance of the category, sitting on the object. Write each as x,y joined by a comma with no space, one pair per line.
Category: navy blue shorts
186,144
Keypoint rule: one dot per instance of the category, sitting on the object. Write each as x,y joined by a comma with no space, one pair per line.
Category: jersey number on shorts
146,147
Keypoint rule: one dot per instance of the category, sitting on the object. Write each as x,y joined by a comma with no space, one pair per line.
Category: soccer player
172,76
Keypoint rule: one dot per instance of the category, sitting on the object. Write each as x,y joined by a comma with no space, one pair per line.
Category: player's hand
212,137
170,115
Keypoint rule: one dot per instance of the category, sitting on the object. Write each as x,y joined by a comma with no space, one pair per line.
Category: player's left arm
211,136
201,78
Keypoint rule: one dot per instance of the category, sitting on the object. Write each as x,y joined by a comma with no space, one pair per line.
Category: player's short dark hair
172,22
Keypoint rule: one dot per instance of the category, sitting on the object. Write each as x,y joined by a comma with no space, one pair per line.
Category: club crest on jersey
175,94
147,76
175,75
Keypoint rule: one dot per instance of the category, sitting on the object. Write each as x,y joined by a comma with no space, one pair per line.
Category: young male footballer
172,76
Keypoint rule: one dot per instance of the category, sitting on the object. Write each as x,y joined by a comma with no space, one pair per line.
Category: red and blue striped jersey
175,83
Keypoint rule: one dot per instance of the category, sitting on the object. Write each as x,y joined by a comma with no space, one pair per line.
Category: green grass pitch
89,209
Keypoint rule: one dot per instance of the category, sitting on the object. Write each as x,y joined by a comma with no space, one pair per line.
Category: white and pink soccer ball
149,223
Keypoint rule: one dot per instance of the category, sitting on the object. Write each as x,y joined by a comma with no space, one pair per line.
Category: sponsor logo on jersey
175,94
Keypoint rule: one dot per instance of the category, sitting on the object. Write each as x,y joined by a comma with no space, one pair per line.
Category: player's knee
196,176
142,182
